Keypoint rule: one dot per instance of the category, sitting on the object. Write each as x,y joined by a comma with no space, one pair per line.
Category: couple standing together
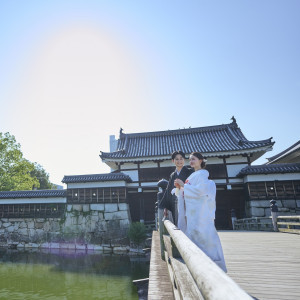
190,196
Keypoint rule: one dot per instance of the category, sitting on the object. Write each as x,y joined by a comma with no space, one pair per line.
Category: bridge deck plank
160,286
264,264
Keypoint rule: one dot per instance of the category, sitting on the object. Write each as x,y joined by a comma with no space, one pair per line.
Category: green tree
42,176
15,170
137,233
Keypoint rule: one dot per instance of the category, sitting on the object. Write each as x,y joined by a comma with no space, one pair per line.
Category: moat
69,275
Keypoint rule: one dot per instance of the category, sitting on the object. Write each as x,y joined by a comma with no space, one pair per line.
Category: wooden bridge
261,265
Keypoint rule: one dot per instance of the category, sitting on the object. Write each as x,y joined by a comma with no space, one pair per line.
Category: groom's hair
177,152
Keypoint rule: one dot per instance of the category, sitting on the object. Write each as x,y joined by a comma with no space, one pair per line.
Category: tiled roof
97,177
295,147
270,169
211,139
33,194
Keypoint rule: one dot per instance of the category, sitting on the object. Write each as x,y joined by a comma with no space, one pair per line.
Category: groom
169,200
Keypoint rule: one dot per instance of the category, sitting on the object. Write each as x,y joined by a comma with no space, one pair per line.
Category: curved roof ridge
175,131
270,169
270,159
96,177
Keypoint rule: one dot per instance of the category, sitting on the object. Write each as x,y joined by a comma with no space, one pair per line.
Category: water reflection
68,275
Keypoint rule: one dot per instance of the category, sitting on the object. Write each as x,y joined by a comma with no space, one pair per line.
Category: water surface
68,275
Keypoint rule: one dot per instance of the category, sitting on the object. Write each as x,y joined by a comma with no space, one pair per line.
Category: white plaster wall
148,164
219,181
152,184
236,180
272,177
96,184
238,158
129,166
214,160
133,174
233,170
34,200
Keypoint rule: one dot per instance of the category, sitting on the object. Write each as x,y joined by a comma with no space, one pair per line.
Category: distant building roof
291,154
270,169
226,138
33,194
97,177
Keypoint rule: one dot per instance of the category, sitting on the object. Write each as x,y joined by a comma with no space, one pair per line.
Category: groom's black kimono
168,200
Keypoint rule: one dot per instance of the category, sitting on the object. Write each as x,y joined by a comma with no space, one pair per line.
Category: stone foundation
83,227
261,208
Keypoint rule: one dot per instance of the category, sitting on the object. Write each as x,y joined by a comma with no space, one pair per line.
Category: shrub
137,233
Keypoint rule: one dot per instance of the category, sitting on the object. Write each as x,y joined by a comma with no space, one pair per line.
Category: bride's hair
200,156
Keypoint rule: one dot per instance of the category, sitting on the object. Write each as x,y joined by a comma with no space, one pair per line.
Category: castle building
145,158
109,202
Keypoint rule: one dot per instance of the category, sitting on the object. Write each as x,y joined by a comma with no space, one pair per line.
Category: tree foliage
42,176
16,172
137,233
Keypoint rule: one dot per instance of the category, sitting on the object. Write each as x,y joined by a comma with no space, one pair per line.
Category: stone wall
83,225
261,208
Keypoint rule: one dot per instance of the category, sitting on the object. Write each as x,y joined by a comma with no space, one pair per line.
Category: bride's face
195,162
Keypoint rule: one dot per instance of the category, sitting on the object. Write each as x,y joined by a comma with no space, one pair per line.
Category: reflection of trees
42,275
80,262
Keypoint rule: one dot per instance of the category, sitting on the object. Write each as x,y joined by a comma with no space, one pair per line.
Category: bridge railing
290,224
255,223
192,273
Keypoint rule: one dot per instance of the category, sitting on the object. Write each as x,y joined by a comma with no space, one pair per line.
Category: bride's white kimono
196,214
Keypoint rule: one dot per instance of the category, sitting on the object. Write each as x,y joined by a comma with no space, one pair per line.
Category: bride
196,210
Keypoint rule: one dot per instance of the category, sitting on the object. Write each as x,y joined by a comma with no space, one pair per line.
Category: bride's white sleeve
201,186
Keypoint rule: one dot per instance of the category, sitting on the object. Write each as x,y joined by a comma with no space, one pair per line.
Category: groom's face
178,161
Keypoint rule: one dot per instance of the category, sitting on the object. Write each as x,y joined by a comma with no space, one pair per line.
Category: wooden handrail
290,224
211,281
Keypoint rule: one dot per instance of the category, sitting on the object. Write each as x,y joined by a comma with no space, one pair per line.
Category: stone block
10,229
69,207
95,218
289,203
259,203
124,223
23,225
31,232
257,212
39,225
267,212
80,246
123,206
23,231
40,220
54,226
90,247
283,209
98,248
101,226
107,249
31,245
5,225
118,215
120,250
54,245
298,203
45,245
77,207
20,245
30,224
111,207
85,207
97,207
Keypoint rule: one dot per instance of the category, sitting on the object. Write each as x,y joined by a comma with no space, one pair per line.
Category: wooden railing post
211,281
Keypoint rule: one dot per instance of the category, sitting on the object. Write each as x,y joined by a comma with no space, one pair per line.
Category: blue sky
74,72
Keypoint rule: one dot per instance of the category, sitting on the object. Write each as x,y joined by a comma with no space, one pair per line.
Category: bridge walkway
264,264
